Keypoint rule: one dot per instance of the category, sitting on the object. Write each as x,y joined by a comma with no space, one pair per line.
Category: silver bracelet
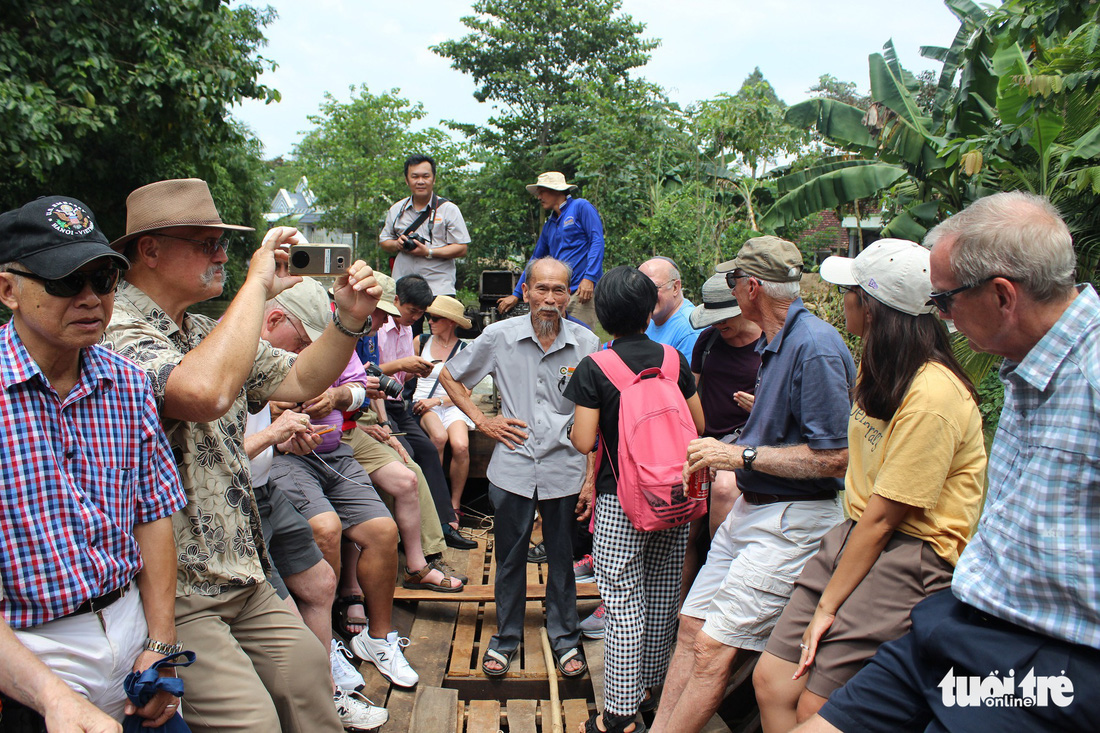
348,332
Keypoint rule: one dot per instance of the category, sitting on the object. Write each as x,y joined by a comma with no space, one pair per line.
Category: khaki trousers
258,668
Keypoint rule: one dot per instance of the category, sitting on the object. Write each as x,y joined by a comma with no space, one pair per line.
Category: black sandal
504,659
568,656
341,618
619,725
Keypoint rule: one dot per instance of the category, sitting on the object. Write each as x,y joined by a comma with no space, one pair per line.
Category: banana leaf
914,222
840,123
830,190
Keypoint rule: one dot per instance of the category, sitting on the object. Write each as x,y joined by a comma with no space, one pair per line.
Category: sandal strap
499,657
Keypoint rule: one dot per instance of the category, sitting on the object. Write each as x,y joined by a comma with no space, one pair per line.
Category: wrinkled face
51,325
549,198
193,259
668,289
547,292
970,310
420,179
287,334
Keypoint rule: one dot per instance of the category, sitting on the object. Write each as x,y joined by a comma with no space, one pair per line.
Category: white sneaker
386,654
357,712
344,674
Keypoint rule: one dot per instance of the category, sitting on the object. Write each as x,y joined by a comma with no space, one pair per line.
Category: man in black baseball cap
88,483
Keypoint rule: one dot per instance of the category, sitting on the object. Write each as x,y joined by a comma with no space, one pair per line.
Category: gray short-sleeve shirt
445,226
532,386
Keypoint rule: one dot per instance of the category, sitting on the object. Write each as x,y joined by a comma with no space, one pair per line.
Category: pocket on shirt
108,482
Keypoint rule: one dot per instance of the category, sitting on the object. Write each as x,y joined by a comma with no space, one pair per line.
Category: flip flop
568,656
502,658
415,581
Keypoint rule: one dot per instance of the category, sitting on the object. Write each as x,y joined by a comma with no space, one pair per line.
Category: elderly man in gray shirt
531,360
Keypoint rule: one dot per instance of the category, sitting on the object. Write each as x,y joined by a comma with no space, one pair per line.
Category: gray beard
544,328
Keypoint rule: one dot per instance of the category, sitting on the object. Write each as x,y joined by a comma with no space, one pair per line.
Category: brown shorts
877,611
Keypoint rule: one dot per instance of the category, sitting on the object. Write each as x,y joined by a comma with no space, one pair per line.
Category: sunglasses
848,289
433,319
210,245
102,282
733,277
946,300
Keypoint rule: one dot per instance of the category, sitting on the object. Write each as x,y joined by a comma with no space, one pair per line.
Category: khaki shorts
877,611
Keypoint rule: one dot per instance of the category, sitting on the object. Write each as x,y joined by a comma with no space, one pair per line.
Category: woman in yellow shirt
913,488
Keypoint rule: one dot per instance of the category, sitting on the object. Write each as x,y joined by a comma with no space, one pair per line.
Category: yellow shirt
930,456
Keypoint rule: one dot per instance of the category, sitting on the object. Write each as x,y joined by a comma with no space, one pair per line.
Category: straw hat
451,309
718,303
182,202
552,180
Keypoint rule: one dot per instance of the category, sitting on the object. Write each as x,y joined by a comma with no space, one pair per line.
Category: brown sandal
415,581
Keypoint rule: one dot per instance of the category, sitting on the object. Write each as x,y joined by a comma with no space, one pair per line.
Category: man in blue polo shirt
573,233
789,461
670,322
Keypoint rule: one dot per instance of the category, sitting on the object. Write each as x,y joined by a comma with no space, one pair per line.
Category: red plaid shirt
76,475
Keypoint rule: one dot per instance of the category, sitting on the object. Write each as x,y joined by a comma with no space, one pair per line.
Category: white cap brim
838,271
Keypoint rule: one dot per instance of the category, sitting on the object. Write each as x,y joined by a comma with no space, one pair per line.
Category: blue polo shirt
676,332
574,236
802,396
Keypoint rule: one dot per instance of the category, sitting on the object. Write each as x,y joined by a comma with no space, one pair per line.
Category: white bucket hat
718,303
894,272
552,180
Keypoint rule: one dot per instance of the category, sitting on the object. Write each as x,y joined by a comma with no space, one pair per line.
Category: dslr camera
386,383
410,241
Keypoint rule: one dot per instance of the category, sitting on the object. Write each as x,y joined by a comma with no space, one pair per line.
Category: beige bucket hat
552,180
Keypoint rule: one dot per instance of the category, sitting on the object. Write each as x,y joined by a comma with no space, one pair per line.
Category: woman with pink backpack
644,392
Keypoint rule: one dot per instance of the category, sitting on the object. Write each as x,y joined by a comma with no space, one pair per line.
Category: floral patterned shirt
218,538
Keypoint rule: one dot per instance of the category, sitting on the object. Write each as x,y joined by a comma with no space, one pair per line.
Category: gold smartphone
319,259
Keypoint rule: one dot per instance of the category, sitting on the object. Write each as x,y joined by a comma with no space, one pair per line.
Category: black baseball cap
54,236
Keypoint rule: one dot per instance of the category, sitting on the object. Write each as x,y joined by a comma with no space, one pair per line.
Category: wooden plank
593,652
576,712
428,654
460,724
484,717
436,709
488,614
521,716
534,663
465,632
483,593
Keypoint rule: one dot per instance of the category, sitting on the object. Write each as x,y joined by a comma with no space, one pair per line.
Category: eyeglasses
210,245
733,277
303,339
102,282
945,300
433,319
848,289
666,283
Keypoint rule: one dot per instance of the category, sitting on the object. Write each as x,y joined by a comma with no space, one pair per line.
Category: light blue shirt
676,331
1035,558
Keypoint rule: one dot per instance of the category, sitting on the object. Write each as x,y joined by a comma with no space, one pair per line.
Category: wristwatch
747,457
429,255
159,647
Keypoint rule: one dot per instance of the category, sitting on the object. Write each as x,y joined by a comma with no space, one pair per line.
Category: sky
707,47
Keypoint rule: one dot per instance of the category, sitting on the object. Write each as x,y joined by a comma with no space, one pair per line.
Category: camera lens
299,260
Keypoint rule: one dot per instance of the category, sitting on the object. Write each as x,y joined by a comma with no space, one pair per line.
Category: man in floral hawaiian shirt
259,667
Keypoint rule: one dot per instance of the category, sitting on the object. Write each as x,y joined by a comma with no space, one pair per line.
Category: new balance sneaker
386,654
344,674
593,626
357,712
583,570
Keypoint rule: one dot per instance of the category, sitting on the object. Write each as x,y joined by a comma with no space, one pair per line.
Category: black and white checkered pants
638,574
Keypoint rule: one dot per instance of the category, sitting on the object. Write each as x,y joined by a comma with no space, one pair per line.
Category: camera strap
458,345
433,205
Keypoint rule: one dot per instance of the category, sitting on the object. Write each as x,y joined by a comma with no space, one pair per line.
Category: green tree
354,157
97,99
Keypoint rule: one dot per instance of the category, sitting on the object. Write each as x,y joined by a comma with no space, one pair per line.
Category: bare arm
157,583
787,461
25,678
696,408
865,544
230,349
282,428
500,428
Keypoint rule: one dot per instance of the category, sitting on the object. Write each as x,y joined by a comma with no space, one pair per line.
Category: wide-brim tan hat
451,309
181,202
552,180
389,292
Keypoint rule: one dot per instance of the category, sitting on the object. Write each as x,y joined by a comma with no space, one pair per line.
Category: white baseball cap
894,272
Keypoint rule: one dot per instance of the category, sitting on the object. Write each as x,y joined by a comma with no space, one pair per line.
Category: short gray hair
1016,235
531,266
780,291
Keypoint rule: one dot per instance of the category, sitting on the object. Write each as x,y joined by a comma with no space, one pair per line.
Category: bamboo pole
555,698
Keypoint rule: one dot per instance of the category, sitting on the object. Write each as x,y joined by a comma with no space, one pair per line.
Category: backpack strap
614,368
670,367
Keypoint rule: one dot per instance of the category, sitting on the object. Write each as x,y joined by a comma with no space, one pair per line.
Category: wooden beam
484,594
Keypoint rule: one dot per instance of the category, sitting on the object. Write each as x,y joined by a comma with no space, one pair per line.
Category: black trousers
423,451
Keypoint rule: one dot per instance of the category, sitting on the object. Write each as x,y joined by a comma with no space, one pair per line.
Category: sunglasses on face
844,289
946,300
210,245
433,319
733,277
102,282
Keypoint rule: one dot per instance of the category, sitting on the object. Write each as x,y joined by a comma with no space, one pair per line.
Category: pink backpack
655,427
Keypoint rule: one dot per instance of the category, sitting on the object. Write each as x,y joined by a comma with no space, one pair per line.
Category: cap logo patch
68,218
872,284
